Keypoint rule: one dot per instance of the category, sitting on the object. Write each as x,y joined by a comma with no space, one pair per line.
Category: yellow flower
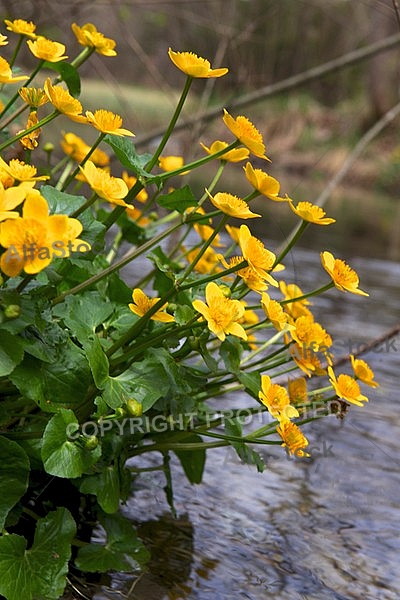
275,313
347,388
107,122
10,198
293,438
6,73
194,65
258,257
232,205
62,101
45,49
112,189
235,155
276,399
306,360
343,276
22,27
207,262
130,181
88,36
297,389
21,171
142,305
170,163
3,40
245,132
310,334
265,184
363,371
311,212
34,97
30,141
222,314
34,239
298,308
248,274
77,149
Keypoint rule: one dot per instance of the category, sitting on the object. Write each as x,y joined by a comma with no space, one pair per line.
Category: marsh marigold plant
137,312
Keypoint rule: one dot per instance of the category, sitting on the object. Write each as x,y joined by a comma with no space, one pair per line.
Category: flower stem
25,132
26,83
85,205
316,292
298,232
124,260
171,125
83,161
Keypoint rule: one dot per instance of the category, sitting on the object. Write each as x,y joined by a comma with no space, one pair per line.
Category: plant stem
26,83
124,260
154,160
297,233
84,160
25,132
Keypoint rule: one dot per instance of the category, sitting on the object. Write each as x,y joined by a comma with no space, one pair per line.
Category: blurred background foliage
310,131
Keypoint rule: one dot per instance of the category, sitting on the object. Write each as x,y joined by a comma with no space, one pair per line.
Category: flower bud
134,407
12,311
91,442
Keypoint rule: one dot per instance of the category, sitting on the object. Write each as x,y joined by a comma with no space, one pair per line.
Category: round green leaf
14,475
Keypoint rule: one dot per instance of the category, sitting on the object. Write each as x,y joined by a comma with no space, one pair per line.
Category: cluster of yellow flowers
31,238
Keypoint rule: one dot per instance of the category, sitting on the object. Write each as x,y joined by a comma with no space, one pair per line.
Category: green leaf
39,572
11,352
245,453
123,550
192,461
183,314
126,153
231,351
98,361
68,73
61,203
84,313
179,199
251,381
105,486
116,391
61,455
145,381
63,383
14,476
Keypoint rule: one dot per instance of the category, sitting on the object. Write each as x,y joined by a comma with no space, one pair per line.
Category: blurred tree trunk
383,69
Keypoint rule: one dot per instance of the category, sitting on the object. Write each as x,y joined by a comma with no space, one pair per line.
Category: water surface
326,528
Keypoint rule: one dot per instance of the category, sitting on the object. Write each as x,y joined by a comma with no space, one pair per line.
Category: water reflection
326,528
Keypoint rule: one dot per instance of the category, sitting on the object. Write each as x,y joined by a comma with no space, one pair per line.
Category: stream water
322,529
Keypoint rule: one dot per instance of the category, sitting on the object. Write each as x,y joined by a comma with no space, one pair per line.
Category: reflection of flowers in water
170,542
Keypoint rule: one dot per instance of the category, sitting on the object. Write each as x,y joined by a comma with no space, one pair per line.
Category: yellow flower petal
107,122
264,183
311,213
343,276
88,36
246,132
193,65
232,205
6,73
21,27
235,155
222,314
45,49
